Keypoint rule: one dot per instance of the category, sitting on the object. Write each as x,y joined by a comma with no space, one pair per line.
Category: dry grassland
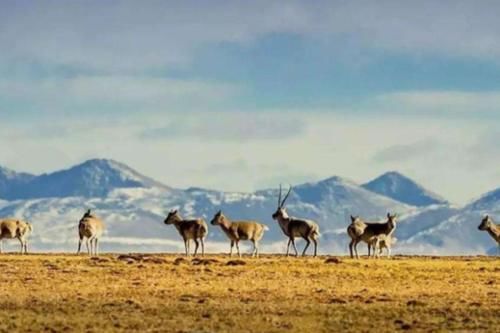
164,293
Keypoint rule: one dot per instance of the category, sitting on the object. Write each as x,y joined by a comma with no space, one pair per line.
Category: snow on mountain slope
422,219
133,208
401,188
458,234
488,201
134,216
93,178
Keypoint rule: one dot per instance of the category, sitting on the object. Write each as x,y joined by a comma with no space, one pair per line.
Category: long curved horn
286,196
279,198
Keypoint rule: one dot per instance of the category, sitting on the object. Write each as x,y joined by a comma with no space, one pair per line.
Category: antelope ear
353,218
388,215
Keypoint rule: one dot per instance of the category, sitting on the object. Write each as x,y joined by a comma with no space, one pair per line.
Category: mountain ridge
91,178
402,188
134,207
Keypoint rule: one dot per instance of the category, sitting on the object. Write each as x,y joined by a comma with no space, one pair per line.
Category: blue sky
248,94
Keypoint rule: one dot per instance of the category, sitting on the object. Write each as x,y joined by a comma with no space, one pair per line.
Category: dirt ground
168,293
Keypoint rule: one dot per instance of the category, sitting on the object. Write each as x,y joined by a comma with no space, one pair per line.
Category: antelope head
219,219
172,216
485,223
392,219
281,210
87,214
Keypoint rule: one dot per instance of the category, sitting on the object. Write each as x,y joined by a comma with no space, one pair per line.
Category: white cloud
236,127
129,35
404,152
442,101
438,153
58,95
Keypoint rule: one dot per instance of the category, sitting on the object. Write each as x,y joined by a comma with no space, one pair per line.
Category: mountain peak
488,201
92,178
6,173
109,165
399,187
97,177
11,181
332,181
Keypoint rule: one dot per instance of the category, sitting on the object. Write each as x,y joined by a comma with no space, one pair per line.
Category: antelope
382,241
359,231
294,227
189,229
492,228
92,228
240,230
12,228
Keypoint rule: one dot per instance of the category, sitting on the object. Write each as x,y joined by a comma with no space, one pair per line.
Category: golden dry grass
160,293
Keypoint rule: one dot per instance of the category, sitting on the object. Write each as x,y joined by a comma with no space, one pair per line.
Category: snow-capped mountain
11,182
133,208
401,188
488,201
93,178
458,233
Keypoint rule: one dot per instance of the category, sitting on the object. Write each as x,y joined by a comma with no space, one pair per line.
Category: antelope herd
376,235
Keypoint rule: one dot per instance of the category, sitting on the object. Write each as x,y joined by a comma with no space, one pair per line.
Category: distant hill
487,201
11,182
401,188
133,207
93,178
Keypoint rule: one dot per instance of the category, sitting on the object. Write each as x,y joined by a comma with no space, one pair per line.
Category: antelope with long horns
492,228
295,227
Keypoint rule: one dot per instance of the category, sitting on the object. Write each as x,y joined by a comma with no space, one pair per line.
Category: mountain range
133,207
399,187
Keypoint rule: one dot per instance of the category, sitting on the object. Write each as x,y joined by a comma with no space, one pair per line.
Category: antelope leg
308,242
288,247
197,244
96,247
87,244
79,246
238,248
294,247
